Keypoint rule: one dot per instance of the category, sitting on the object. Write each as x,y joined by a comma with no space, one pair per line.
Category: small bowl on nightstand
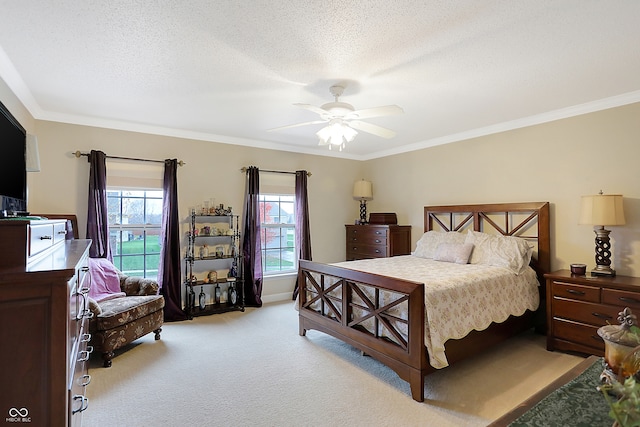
579,269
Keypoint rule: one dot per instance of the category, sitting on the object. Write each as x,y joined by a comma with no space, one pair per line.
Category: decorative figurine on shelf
217,294
206,230
202,297
233,271
192,298
213,277
232,298
204,251
219,251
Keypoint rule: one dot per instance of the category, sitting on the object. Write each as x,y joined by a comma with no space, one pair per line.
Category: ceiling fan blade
313,108
296,125
387,110
372,129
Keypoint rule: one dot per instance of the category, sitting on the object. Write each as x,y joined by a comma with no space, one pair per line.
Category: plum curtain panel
169,268
97,218
303,234
251,243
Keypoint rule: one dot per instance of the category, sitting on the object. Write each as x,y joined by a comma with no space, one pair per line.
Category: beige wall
555,162
211,170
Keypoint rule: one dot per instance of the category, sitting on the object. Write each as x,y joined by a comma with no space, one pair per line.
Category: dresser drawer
578,333
621,298
59,232
366,231
40,238
369,239
367,251
585,312
577,292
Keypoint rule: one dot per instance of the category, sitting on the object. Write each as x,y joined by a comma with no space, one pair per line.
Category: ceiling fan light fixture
336,133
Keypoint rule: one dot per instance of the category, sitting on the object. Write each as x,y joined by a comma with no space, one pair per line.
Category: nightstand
377,241
578,305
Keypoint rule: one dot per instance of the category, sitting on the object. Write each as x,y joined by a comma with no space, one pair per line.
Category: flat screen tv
13,176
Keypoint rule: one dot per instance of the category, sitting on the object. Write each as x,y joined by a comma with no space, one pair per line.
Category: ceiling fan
343,120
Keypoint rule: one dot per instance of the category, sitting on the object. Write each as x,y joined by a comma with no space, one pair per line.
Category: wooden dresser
377,241
578,305
44,330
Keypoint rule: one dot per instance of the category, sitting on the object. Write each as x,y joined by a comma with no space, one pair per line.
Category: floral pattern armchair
120,321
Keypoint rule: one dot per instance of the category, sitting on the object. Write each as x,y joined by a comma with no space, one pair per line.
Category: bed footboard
382,316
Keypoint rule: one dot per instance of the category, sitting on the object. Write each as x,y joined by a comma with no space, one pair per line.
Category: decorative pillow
509,252
428,243
453,252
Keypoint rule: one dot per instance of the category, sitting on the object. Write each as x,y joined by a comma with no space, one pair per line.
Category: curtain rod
244,170
78,154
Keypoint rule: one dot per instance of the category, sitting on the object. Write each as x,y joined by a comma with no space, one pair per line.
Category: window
135,222
278,233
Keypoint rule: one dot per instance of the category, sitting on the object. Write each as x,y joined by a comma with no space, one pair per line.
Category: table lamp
601,210
362,190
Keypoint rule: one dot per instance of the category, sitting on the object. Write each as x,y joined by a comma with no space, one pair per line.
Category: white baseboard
266,299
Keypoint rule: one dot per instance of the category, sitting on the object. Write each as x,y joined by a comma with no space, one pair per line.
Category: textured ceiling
228,71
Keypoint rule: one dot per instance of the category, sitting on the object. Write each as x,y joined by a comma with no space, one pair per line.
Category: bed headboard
529,220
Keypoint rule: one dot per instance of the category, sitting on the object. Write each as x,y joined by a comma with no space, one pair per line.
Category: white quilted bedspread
458,298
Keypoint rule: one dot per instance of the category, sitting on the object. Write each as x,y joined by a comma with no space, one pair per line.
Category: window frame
279,226
144,229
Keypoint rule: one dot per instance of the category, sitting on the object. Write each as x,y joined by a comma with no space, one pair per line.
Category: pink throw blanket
105,283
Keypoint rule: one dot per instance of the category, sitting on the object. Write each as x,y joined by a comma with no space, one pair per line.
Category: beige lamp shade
602,209
363,190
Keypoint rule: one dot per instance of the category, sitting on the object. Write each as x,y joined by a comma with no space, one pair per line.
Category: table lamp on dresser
363,191
601,210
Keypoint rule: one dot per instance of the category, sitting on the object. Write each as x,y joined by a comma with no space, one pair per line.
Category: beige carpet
253,369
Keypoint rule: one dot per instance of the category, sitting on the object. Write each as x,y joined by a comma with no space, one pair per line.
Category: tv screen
13,179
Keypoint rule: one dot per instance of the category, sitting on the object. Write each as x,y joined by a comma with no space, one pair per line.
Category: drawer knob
601,316
46,238
574,292
378,240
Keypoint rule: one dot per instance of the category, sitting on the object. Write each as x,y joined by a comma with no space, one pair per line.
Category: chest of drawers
377,241
44,333
578,305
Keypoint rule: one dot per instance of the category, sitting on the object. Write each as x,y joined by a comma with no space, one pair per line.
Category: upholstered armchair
123,318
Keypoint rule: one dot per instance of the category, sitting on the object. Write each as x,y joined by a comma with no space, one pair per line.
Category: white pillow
426,246
453,252
509,252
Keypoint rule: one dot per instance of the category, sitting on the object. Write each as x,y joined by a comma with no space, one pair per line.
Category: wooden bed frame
338,302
